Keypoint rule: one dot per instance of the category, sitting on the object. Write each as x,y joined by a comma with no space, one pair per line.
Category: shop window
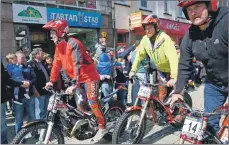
123,2
144,3
78,3
122,38
22,38
166,6
38,36
91,4
81,3
88,37
66,2
180,13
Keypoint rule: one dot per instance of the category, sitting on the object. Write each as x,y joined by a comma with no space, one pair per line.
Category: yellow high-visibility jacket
163,54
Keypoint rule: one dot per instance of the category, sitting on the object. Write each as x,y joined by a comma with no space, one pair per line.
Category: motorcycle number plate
192,127
144,91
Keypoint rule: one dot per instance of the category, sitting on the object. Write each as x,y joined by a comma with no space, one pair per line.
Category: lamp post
113,20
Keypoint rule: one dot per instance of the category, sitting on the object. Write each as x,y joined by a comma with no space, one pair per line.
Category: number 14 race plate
192,127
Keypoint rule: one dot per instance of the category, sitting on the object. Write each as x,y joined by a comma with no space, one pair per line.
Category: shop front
28,21
83,25
174,29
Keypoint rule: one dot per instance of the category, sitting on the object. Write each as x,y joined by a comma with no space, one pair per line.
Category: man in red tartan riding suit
71,55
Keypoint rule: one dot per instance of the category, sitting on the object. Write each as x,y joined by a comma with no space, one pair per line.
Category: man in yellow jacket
161,50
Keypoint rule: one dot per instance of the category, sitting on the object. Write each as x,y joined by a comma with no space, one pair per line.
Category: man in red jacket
71,55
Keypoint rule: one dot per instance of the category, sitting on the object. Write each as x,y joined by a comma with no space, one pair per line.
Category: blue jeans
3,124
135,89
29,106
214,97
41,105
122,96
106,88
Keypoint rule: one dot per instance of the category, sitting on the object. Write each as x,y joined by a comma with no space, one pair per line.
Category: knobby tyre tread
112,104
121,123
212,136
28,129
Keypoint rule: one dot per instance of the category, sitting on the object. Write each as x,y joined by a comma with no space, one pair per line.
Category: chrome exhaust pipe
77,125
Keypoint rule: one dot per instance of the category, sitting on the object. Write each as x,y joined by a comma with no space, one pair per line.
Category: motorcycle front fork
49,129
143,112
47,135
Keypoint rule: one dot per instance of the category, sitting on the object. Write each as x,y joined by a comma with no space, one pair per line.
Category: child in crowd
15,72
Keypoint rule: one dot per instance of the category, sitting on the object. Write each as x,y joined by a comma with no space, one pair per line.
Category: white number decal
144,91
192,127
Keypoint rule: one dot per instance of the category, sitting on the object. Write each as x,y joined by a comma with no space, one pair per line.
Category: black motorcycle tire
17,139
122,122
212,137
212,140
119,105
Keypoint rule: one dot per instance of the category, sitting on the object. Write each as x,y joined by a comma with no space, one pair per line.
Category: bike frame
149,101
64,106
205,117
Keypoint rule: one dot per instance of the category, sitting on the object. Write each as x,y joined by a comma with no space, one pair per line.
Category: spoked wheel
128,130
213,140
115,111
212,136
35,134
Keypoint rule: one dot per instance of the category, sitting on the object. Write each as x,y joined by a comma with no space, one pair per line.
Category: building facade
172,19
87,20
8,42
22,23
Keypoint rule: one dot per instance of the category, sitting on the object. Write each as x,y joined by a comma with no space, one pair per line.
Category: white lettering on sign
91,19
70,18
66,16
53,15
172,26
62,16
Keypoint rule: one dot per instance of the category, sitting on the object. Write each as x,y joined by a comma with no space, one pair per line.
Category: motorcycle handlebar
51,90
136,78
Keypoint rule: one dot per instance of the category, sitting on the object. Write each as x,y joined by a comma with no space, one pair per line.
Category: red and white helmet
151,19
212,5
60,26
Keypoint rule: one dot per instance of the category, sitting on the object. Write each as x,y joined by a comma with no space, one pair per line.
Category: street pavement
155,134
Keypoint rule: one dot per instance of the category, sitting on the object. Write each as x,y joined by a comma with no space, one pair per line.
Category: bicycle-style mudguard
133,108
34,122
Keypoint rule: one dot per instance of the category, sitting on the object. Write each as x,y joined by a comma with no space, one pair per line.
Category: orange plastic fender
133,108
